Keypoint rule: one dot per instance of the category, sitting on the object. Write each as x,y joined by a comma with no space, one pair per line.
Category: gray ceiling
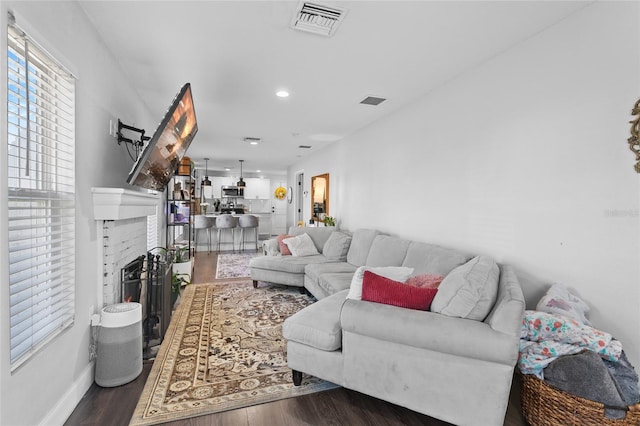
237,54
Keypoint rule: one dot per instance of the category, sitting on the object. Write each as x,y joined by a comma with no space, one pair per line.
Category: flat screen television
160,157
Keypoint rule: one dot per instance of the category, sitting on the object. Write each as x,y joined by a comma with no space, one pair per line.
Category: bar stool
203,222
226,221
248,221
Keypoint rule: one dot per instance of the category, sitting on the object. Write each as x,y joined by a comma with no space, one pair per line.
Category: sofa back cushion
318,235
387,251
469,291
509,304
337,246
432,259
360,244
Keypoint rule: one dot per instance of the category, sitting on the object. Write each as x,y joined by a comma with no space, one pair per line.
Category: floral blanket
544,337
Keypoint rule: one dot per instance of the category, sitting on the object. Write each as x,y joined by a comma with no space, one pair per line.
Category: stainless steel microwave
232,191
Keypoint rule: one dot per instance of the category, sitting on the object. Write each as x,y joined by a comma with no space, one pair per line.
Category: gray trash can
119,344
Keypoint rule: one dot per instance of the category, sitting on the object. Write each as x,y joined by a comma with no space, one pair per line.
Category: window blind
41,196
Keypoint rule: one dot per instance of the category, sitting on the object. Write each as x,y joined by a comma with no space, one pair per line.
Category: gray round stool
201,221
224,222
248,221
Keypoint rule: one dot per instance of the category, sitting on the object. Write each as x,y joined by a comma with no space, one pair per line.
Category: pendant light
241,183
206,181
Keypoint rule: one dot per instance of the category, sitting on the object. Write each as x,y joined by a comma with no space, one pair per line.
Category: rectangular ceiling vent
251,139
304,146
372,100
317,18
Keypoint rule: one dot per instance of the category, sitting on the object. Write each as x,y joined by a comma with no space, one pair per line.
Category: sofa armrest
270,247
430,331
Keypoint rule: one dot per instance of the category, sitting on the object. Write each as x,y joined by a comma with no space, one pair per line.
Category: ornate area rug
234,265
223,350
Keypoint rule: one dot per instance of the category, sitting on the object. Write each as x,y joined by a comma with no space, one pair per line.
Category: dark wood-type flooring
114,406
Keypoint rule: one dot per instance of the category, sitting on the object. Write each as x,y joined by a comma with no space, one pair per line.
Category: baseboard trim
68,402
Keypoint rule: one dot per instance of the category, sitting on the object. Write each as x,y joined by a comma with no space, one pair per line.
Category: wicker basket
544,405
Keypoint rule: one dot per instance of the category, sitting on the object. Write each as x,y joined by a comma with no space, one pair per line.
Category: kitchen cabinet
257,189
264,225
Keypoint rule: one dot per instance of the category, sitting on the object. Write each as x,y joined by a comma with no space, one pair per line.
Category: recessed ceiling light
227,169
258,171
282,94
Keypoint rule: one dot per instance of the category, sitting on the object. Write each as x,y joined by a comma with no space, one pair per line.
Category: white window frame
41,196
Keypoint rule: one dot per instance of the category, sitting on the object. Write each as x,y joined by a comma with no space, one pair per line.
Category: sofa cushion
360,244
387,251
432,259
333,282
469,291
290,264
317,325
376,288
396,273
337,246
314,270
284,250
302,245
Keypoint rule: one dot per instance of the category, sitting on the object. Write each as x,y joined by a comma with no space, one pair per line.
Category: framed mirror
319,197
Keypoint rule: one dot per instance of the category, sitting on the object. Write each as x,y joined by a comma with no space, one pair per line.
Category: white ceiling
237,54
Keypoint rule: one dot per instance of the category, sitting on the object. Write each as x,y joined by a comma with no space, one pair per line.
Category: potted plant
182,263
329,221
178,281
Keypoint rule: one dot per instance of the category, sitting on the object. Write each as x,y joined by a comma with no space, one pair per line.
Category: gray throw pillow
337,246
469,291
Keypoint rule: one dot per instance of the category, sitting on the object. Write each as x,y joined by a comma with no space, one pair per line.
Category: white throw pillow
302,245
469,291
396,273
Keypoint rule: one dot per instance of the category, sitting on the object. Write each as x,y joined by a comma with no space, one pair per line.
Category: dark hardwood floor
114,406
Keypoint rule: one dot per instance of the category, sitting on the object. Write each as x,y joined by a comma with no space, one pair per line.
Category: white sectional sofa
454,362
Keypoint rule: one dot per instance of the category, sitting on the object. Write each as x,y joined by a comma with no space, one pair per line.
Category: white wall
523,158
47,388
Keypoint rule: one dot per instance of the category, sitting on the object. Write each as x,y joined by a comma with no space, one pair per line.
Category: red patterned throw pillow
284,250
383,290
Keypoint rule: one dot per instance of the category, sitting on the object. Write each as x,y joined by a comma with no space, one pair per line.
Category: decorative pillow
302,245
396,273
284,250
337,246
425,281
469,291
376,288
560,301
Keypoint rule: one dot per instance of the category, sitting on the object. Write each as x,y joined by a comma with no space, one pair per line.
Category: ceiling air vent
304,146
317,18
372,100
251,140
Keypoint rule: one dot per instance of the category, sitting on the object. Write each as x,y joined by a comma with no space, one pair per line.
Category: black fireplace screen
146,278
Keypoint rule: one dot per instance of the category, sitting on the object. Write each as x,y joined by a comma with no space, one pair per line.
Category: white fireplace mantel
121,204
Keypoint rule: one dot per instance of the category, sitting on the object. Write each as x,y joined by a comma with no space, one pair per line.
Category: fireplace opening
131,280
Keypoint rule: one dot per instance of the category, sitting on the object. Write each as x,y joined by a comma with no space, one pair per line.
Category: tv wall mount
137,144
